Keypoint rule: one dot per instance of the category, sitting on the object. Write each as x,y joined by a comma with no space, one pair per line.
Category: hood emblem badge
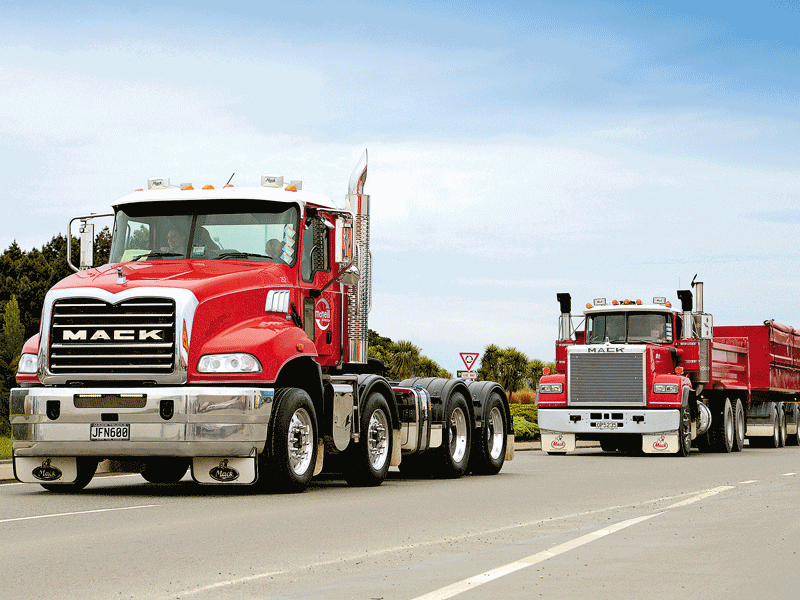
121,279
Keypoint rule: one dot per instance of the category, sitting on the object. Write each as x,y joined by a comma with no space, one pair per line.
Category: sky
516,149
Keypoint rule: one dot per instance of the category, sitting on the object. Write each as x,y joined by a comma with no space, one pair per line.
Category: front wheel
86,470
290,465
367,463
452,458
489,452
685,433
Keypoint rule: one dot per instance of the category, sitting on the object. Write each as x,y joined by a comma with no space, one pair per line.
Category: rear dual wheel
489,453
721,433
367,462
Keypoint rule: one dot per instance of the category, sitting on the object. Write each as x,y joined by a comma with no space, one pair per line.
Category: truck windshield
630,328
207,229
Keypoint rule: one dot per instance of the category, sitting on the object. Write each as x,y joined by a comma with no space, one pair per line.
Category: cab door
322,315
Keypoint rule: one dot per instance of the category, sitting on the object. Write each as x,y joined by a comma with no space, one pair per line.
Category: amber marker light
300,347
208,187
668,305
291,188
679,370
227,185
185,338
187,187
546,371
588,305
615,302
638,303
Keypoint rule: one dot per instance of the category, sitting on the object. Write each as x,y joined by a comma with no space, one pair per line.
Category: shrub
524,429
525,417
524,397
5,448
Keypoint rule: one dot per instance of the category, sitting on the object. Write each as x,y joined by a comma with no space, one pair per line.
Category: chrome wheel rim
458,435
301,444
378,440
728,421
495,433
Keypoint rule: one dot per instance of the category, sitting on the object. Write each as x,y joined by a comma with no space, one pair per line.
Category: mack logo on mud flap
660,444
47,472
116,335
224,473
558,443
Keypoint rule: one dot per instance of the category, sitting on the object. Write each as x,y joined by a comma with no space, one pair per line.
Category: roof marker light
668,304
227,185
291,188
627,302
588,305
638,302
615,302
187,186
208,187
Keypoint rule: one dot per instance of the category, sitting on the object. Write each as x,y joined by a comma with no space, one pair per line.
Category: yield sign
469,359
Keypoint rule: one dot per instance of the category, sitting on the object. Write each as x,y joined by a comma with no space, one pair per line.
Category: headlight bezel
28,364
228,363
551,388
666,388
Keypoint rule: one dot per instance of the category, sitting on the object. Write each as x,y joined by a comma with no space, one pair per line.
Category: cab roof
270,194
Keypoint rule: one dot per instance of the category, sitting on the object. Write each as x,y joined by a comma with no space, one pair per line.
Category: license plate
606,425
110,431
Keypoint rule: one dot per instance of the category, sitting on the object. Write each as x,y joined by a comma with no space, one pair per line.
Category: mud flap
558,442
49,469
660,443
510,447
224,469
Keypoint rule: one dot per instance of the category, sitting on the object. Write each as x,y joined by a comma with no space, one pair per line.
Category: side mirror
87,242
350,276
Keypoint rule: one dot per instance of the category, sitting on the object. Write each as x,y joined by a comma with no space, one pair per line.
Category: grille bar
89,336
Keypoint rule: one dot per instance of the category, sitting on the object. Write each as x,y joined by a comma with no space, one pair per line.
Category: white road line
788,474
82,512
748,481
468,584
438,542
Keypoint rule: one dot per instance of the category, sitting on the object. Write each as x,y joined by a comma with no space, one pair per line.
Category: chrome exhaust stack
359,296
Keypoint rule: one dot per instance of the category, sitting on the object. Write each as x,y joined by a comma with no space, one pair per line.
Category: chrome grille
606,378
91,336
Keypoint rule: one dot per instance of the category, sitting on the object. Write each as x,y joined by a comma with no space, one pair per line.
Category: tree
404,360
13,338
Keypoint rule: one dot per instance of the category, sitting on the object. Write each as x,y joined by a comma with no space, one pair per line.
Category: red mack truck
228,335
652,378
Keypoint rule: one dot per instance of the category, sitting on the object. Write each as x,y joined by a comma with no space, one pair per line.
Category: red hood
204,278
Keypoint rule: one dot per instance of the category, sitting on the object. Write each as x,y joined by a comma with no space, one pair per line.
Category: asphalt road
587,525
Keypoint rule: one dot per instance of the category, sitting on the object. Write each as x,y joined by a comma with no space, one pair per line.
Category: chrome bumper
205,421
628,420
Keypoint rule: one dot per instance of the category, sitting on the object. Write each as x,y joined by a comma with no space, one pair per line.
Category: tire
416,466
367,463
781,425
720,435
738,425
794,439
452,458
165,470
489,451
768,441
86,469
685,433
293,443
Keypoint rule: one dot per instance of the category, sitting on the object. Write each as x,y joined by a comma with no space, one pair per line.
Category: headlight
229,363
665,388
550,388
27,364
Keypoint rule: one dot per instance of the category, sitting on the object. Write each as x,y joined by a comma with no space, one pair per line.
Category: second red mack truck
228,335
651,378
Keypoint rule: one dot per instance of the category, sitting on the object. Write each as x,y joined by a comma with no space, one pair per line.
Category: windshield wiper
242,255
157,255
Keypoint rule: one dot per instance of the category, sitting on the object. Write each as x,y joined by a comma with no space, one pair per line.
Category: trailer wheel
794,439
685,433
294,442
721,432
781,425
452,458
489,452
165,470
367,463
86,470
768,441
738,425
